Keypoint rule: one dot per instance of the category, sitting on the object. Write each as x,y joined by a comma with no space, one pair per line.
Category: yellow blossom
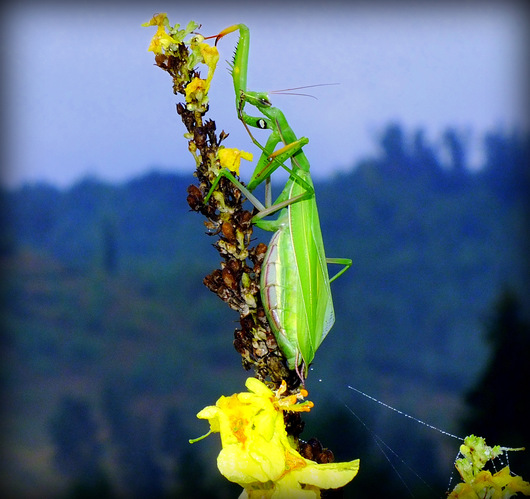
167,37
161,40
196,95
463,491
210,56
258,454
201,52
480,483
230,158
159,19
167,41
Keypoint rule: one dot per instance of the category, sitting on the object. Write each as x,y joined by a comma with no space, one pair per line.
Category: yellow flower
479,483
463,491
166,36
210,56
230,158
201,52
501,485
166,41
161,40
196,95
157,20
258,454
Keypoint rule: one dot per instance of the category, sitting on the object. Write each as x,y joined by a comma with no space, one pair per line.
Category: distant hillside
103,295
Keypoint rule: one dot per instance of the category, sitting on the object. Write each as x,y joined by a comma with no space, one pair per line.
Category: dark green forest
111,344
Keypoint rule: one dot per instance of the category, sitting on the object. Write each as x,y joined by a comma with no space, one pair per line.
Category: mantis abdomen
279,293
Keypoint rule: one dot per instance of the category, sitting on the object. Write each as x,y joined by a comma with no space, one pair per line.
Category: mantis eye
265,102
262,124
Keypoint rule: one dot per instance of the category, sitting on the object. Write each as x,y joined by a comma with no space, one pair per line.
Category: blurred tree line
112,344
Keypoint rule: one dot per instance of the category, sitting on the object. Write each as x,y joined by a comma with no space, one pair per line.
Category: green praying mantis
295,284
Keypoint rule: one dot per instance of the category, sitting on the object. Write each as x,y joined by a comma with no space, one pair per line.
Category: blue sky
83,97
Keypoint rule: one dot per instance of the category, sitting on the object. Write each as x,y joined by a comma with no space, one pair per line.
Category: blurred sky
82,96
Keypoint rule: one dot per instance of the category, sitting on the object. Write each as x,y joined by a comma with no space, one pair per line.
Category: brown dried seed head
272,344
234,265
199,138
228,231
326,456
306,450
261,248
195,199
229,278
193,190
161,60
316,446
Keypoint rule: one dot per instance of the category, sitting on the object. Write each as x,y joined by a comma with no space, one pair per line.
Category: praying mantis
295,284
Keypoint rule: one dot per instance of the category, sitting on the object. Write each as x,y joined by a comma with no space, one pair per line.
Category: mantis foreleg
275,159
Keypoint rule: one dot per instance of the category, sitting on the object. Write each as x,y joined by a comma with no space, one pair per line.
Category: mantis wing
315,306
295,281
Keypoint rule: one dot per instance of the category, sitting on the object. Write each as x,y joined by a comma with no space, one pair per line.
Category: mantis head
258,99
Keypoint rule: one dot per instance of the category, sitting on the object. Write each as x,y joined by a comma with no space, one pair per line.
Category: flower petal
329,475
